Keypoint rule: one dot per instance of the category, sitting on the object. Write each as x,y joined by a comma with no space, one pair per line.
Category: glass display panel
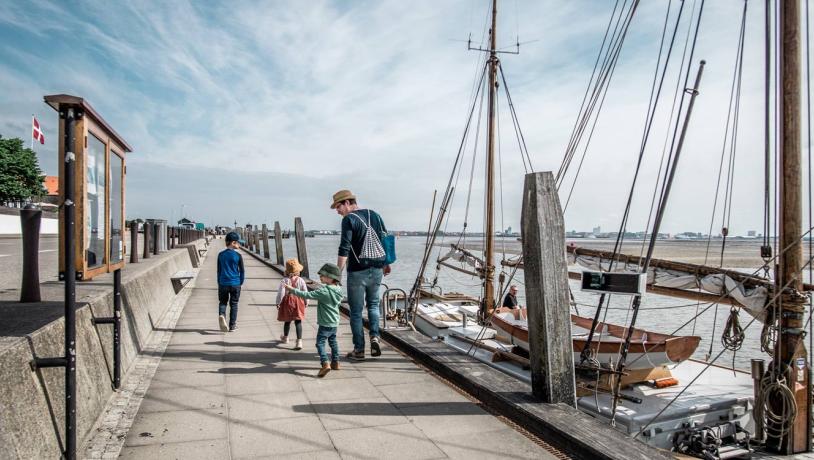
95,202
116,233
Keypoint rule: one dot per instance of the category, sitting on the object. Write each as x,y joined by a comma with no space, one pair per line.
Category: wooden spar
455,267
790,347
695,269
489,267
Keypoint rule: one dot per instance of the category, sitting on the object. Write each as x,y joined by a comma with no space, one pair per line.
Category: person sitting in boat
510,301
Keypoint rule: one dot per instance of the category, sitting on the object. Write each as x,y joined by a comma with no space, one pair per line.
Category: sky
259,111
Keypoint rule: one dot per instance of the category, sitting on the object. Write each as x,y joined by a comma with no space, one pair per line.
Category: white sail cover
753,299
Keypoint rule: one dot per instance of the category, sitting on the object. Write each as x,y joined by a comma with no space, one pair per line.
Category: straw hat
293,267
341,196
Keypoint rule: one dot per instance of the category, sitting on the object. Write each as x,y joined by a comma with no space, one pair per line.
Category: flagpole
32,131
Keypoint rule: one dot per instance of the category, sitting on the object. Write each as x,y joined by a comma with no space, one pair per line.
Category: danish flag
36,132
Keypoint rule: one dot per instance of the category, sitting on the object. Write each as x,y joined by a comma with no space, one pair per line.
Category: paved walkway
244,395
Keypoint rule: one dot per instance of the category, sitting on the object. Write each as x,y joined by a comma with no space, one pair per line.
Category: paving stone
338,389
262,382
177,426
174,399
501,444
280,436
215,449
268,406
358,413
390,442
445,420
408,394
187,378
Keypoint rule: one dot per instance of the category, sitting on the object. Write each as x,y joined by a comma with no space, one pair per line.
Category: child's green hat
331,271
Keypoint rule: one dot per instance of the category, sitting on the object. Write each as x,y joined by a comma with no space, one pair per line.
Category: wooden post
265,233
278,243
302,254
546,274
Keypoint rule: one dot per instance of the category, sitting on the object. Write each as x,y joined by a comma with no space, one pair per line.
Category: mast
489,268
790,348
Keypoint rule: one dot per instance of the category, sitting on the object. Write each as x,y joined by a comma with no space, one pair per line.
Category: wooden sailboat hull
647,349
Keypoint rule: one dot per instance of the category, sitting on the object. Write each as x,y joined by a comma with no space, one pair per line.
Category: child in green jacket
328,298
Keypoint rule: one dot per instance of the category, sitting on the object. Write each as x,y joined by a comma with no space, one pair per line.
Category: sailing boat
714,397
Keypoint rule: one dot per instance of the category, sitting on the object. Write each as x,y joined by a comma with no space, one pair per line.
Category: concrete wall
32,401
10,225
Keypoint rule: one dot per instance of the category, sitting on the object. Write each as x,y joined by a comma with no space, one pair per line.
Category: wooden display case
99,187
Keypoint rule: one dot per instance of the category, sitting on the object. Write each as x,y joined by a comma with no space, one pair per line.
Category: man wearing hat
361,251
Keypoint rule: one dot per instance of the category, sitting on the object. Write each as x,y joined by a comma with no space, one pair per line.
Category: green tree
20,174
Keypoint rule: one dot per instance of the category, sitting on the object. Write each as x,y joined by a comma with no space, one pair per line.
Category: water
658,313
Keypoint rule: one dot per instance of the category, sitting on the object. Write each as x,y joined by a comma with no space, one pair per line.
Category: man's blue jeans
363,291
327,333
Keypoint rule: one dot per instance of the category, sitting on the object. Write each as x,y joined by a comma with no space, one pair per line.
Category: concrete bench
180,279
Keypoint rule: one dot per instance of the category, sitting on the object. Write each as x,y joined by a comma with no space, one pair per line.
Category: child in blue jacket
230,277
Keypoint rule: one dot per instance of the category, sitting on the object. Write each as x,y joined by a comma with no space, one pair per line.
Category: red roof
51,183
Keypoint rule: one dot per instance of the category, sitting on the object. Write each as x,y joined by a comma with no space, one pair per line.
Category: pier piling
278,243
302,253
547,295
266,252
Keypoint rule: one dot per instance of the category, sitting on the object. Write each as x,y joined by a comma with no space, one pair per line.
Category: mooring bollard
30,219
147,229
133,242
156,238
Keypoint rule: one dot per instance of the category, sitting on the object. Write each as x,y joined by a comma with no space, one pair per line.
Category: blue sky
259,111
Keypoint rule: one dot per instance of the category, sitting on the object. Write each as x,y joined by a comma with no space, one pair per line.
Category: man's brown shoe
324,371
335,365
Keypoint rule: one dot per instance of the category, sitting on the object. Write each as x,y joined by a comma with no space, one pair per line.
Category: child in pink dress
290,307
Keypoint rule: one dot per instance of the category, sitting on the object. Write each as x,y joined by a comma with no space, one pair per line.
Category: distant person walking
361,250
230,277
328,297
290,307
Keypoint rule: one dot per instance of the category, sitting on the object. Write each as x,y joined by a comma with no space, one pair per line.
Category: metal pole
133,242
117,328
70,283
30,224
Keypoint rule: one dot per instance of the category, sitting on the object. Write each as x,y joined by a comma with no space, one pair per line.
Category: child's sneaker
325,369
356,355
283,339
298,346
233,328
334,365
375,349
222,321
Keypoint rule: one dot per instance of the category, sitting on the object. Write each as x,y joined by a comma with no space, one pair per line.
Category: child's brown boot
335,365
325,369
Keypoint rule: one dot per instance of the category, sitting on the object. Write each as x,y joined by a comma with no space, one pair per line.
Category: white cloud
370,96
